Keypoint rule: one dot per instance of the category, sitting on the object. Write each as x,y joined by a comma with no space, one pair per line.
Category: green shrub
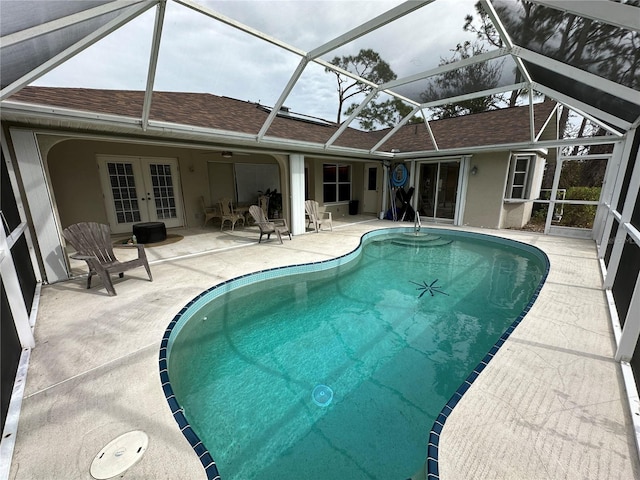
584,193
580,216
539,214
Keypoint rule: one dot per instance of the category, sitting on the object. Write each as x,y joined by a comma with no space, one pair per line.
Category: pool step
426,240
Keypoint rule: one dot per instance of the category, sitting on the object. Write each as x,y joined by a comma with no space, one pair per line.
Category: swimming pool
339,369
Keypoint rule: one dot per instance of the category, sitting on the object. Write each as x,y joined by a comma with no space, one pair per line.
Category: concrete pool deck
550,405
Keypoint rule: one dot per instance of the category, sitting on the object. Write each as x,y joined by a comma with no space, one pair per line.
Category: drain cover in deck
119,455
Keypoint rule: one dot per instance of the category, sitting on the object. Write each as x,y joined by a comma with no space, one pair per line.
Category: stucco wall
220,182
516,215
485,190
315,184
77,191
76,185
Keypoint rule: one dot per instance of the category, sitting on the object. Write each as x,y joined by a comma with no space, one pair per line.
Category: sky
200,54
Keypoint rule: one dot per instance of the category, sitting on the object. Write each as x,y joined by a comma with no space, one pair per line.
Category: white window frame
337,182
526,184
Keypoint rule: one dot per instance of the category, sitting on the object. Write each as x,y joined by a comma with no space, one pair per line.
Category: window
336,183
519,176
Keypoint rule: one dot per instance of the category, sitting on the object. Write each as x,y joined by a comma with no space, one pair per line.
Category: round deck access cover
119,455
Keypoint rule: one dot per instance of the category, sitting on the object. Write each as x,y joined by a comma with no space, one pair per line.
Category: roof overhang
81,124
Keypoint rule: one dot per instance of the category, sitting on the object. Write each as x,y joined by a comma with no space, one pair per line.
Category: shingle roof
509,125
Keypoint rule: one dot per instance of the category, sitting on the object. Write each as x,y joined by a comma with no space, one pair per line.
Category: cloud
200,54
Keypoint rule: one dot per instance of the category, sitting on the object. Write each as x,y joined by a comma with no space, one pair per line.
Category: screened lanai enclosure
522,112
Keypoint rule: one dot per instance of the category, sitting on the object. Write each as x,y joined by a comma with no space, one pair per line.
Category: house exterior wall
220,175
72,166
517,215
315,172
75,180
485,190
76,183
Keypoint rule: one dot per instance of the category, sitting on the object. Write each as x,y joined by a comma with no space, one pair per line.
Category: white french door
140,189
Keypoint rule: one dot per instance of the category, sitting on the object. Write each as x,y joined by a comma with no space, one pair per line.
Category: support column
385,186
554,193
413,182
624,157
608,185
40,204
296,167
631,329
627,210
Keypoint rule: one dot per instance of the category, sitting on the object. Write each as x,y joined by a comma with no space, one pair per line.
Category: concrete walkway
550,405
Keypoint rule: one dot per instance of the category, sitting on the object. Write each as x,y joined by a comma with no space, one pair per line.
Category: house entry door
140,189
438,190
372,184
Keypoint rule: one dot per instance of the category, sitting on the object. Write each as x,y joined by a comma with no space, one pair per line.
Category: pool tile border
176,324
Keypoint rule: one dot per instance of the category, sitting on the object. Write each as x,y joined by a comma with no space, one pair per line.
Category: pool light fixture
322,395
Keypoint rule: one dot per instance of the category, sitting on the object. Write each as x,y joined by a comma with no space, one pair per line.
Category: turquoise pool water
340,373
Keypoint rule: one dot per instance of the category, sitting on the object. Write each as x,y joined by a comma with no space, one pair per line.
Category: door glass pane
372,179
161,175
447,190
123,189
427,192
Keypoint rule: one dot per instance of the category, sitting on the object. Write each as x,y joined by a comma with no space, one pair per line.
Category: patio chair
315,215
92,242
267,227
227,214
209,212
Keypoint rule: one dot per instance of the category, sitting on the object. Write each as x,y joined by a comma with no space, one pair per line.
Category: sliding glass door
438,190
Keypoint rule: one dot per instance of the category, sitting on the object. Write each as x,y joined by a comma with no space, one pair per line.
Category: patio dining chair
92,242
267,227
316,216
227,214
209,212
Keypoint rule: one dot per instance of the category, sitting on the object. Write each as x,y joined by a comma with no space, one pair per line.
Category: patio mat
171,238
